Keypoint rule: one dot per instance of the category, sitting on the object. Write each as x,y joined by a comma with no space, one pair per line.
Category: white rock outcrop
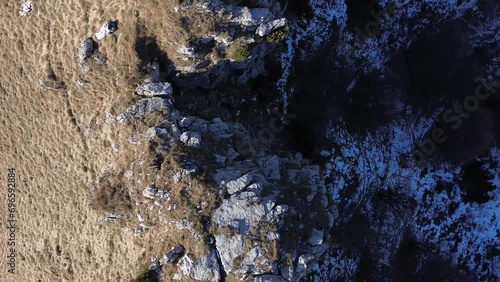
246,17
26,8
267,27
191,139
106,29
154,89
239,184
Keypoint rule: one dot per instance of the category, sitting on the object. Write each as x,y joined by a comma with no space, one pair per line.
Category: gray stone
218,128
220,159
187,167
239,184
114,216
191,139
150,192
275,213
106,29
85,50
229,249
161,132
232,154
164,197
240,211
287,271
202,65
273,236
173,254
141,217
99,58
153,89
246,17
193,124
205,269
143,107
316,237
270,167
153,71
141,228
189,52
26,8
149,134
269,278
255,262
267,27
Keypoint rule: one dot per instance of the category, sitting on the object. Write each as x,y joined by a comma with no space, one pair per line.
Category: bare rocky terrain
259,140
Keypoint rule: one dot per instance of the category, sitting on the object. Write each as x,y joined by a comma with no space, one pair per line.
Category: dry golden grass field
57,138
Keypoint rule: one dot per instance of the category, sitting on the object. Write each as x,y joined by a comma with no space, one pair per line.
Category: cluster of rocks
241,26
258,196
261,20
89,48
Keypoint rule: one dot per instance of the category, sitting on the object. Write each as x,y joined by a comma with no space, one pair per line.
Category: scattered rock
205,269
255,262
141,228
99,58
189,52
187,167
266,28
114,216
173,254
144,106
155,266
141,217
26,8
89,48
220,159
106,29
232,154
128,174
246,17
153,89
239,184
193,124
191,139
270,167
269,278
153,71
273,236
274,214
150,192
316,237
218,127
85,50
